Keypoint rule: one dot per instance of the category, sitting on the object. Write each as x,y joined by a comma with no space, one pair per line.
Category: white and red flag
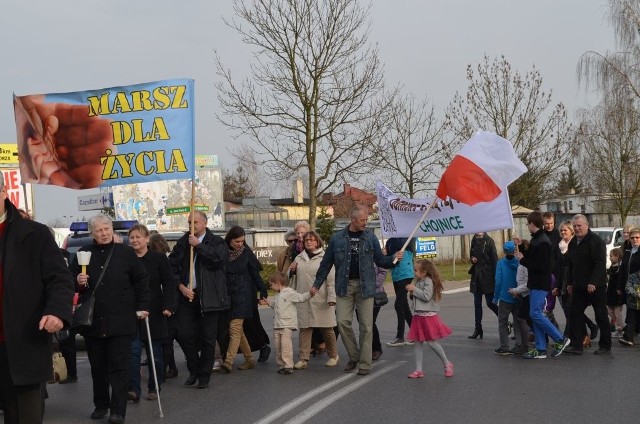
481,170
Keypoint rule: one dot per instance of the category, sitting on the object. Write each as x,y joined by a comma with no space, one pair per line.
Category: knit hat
509,248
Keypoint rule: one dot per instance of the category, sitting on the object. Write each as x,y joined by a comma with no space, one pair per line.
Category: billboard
15,191
149,202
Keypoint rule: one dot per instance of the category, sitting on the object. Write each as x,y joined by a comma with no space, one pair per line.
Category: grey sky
74,45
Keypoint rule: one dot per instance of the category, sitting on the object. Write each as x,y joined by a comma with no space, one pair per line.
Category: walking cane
153,366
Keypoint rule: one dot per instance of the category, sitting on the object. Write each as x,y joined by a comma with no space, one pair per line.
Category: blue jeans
134,367
541,324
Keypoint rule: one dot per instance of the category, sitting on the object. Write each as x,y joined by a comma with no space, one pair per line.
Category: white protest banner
399,215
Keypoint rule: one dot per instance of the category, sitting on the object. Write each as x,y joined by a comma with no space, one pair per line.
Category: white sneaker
216,366
300,365
332,362
396,342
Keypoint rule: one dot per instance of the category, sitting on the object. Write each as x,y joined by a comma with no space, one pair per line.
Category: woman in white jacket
320,311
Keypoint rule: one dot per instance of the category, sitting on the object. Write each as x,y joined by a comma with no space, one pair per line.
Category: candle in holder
83,260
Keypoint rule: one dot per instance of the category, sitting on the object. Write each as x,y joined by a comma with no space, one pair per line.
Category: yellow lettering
125,162
141,100
121,132
121,103
176,162
158,130
161,99
160,162
178,102
99,105
108,161
140,163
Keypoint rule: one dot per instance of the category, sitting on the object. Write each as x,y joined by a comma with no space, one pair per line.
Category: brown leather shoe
376,355
363,371
351,365
247,365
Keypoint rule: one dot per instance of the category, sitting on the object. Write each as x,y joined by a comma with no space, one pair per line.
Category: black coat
483,272
243,281
162,293
538,262
212,256
630,265
36,282
587,262
123,291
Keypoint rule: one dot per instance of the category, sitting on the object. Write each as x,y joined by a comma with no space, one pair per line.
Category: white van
612,237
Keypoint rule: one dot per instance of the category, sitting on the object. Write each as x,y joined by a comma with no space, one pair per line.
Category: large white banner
399,215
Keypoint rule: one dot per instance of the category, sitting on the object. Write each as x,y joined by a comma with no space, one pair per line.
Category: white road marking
327,401
300,400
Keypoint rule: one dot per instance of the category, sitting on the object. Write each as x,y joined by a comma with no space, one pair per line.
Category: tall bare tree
411,152
616,74
309,104
514,106
610,141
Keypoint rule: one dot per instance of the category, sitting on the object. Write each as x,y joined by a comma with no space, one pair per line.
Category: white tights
435,346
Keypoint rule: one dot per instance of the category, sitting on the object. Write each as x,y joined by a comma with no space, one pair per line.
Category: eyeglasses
291,241
310,240
635,237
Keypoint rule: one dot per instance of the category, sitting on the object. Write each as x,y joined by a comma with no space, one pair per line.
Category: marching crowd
205,293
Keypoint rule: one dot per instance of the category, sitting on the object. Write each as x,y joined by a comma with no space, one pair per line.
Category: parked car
612,237
82,237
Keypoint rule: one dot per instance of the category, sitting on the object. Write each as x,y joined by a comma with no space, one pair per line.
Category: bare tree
610,138
514,106
411,153
616,74
309,102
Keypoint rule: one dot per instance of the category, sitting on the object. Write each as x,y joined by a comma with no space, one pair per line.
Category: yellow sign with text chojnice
8,154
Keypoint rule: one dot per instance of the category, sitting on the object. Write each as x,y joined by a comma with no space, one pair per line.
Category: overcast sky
73,45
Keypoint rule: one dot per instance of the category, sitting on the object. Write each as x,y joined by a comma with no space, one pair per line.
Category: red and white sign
15,191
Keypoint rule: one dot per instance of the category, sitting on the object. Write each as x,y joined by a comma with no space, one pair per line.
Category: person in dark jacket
484,258
539,264
203,302
630,265
120,298
243,281
36,295
587,285
162,295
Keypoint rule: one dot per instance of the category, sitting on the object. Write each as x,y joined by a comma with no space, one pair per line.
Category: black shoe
99,413
572,350
265,351
202,385
376,354
69,380
602,351
171,373
594,332
351,365
116,419
363,371
191,380
133,396
476,333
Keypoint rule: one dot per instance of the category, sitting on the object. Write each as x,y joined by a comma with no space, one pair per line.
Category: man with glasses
587,284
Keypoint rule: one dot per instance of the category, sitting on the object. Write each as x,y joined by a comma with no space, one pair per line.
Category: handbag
59,369
83,315
380,299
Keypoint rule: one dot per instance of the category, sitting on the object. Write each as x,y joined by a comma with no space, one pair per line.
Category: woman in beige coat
320,311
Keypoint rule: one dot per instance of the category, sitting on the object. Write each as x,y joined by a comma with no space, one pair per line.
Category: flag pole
415,229
192,230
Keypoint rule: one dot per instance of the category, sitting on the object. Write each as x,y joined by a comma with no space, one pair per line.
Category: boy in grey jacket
285,319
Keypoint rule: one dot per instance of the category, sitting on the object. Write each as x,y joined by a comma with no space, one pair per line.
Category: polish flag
481,170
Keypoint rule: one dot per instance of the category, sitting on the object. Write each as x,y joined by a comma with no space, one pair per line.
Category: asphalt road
486,388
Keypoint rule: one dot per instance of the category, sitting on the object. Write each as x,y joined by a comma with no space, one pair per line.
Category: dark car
82,237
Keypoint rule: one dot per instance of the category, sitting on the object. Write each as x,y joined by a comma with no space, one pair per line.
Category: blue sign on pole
426,247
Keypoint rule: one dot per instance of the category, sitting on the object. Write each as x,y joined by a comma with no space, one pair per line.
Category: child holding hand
285,319
426,326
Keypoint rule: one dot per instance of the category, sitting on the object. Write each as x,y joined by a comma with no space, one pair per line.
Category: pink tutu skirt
425,329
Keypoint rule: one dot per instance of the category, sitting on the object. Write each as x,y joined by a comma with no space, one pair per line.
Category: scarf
235,254
564,246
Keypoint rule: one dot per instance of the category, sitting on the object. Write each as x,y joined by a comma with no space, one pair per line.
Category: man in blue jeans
539,264
353,251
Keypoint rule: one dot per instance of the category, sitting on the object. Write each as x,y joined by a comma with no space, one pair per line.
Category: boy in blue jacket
506,270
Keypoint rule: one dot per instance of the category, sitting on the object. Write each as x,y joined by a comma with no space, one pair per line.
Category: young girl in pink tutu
426,326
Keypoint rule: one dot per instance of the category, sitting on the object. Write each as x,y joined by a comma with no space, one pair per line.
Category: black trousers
167,345
197,336
110,358
68,350
21,404
632,318
580,299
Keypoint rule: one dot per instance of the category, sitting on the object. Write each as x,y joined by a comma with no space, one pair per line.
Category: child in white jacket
285,319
